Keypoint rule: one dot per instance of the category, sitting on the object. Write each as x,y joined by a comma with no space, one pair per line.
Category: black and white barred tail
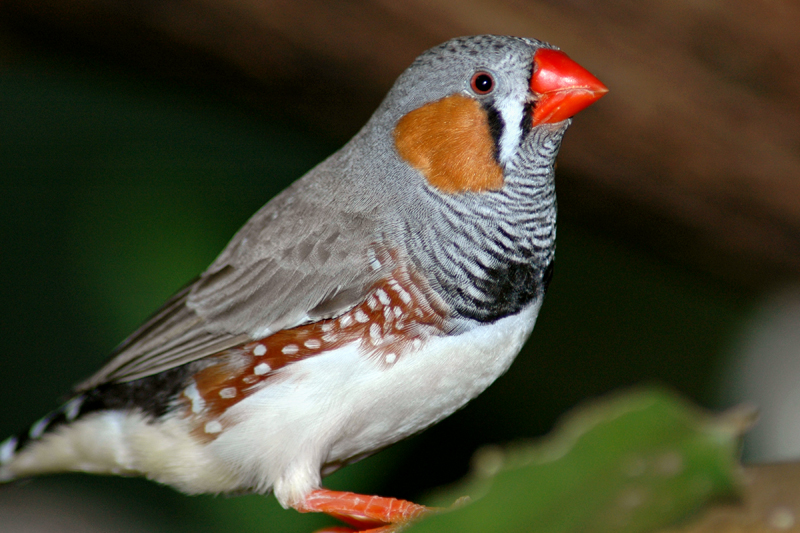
10,447
151,397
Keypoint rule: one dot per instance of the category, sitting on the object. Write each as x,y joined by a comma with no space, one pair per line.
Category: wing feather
282,269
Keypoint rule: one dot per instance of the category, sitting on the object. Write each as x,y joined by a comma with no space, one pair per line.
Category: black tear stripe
496,127
527,119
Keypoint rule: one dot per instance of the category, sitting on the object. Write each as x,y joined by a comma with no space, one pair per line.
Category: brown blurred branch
770,503
695,153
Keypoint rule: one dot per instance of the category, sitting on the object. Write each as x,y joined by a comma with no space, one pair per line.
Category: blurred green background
118,187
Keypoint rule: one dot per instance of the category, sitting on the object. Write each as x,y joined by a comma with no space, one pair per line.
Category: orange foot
369,514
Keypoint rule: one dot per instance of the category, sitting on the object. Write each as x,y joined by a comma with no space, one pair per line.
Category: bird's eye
482,83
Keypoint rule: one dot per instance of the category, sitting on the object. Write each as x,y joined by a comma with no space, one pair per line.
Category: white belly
333,407
324,410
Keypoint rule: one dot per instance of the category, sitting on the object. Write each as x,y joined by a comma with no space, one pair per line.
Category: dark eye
482,83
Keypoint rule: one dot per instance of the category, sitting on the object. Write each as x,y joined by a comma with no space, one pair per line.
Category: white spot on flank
388,315
327,326
383,297
398,311
373,260
249,380
259,350
261,369
7,450
228,392
345,321
372,303
375,334
38,428
312,344
329,337
290,349
401,292
391,358
198,403
72,408
213,427
361,316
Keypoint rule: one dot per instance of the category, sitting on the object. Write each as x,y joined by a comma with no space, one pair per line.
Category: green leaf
627,463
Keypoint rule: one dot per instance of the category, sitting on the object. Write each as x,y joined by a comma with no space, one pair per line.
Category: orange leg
372,514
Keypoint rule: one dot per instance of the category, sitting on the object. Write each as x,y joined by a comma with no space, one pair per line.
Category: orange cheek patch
389,324
450,142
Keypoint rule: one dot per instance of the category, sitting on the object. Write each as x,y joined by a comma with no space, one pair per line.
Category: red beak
562,87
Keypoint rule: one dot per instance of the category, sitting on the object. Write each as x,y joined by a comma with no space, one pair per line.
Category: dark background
135,138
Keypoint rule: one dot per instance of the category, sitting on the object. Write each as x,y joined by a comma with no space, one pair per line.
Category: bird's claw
368,514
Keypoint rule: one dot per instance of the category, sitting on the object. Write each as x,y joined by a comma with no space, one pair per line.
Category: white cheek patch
511,111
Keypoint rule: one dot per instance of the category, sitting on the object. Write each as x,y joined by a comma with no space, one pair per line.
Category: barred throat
490,254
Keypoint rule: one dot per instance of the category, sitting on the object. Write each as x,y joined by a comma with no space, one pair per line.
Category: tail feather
12,446
8,449
116,428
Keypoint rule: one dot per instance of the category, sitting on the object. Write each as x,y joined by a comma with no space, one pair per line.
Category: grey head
487,251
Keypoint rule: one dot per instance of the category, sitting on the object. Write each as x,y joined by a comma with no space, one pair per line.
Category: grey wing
277,273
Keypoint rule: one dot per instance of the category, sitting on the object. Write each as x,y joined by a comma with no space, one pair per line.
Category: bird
372,298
